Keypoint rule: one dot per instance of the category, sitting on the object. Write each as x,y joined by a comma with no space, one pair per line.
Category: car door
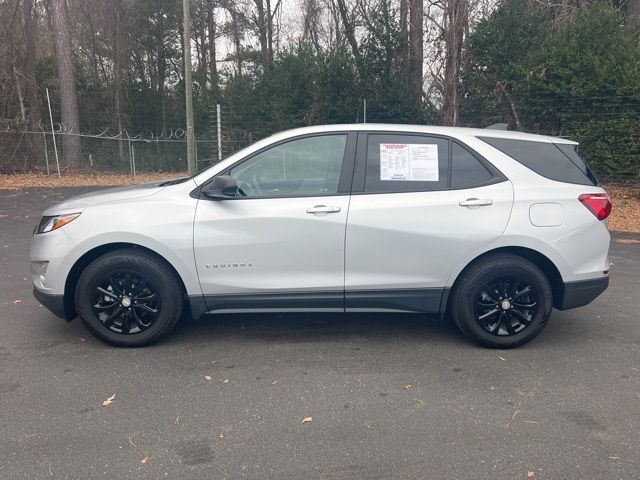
420,204
281,245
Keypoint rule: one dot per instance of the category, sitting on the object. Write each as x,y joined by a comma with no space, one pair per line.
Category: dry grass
625,216
30,180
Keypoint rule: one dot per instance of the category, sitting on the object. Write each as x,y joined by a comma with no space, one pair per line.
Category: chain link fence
24,151
232,129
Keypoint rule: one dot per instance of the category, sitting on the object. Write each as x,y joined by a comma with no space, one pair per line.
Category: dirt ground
625,216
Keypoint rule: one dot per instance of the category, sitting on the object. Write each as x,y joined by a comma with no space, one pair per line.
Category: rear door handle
476,202
320,209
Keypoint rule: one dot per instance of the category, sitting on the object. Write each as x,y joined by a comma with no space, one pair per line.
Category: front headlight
48,224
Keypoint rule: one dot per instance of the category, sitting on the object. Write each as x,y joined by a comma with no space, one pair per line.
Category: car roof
437,130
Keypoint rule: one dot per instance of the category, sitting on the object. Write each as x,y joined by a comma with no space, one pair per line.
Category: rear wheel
502,301
128,298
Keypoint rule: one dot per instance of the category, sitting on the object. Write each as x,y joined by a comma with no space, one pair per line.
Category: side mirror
221,187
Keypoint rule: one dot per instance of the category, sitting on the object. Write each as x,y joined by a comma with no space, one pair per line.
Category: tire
497,282
129,298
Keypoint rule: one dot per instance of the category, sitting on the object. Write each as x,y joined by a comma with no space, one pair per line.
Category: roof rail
498,126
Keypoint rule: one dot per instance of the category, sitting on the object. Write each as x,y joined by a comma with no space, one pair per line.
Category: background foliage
559,68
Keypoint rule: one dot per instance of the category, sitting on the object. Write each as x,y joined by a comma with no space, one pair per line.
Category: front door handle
320,209
476,202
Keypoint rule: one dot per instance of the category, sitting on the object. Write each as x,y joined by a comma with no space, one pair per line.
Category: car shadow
313,327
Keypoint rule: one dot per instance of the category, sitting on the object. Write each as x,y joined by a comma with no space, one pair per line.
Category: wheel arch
96,252
544,263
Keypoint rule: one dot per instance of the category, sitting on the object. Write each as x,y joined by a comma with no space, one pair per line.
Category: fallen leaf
221,436
17,301
504,360
274,382
109,400
208,377
226,380
144,460
408,386
307,420
531,474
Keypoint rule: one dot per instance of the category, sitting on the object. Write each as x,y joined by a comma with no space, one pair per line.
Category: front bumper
53,302
578,294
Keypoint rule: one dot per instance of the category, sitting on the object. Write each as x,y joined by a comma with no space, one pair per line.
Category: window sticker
407,161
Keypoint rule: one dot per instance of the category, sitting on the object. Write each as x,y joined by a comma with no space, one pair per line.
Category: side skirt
430,301
417,300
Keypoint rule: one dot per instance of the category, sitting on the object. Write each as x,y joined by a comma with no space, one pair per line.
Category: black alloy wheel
126,302
506,306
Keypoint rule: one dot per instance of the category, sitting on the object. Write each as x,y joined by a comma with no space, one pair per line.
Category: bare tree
31,88
212,35
633,16
456,21
311,23
416,48
118,56
348,24
66,72
404,34
263,20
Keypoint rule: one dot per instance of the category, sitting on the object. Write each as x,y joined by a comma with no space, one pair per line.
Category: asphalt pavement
390,396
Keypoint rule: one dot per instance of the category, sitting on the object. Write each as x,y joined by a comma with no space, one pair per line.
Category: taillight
598,203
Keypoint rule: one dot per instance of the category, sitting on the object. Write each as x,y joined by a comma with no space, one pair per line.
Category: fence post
130,147
219,132
46,155
133,161
53,133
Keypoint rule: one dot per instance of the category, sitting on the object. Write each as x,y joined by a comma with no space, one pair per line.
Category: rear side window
406,163
571,151
546,159
466,170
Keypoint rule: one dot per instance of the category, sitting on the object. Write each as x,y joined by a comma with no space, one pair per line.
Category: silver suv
491,228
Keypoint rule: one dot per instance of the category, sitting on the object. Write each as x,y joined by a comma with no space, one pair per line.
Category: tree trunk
349,30
456,19
66,73
31,90
416,52
511,103
211,22
633,17
270,15
235,30
261,24
117,76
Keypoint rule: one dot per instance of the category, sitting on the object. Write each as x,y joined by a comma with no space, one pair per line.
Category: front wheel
128,298
503,301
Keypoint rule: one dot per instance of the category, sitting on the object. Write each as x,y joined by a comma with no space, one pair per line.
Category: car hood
108,195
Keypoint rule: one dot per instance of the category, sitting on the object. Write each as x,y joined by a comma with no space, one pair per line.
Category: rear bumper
53,302
577,294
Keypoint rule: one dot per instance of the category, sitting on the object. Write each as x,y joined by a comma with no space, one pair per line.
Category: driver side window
302,167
